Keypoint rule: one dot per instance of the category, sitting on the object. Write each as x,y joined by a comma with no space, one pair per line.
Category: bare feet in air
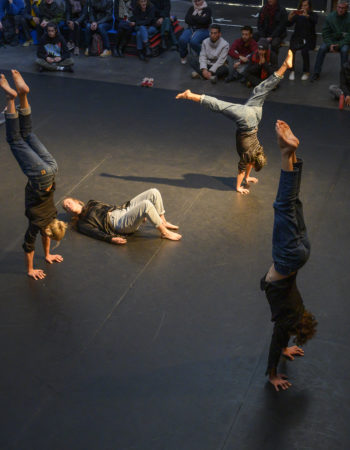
10,93
286,140
289,59
21,86
184,94
171,235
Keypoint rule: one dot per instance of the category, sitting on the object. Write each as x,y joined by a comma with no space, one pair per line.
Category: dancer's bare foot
289,59
10,93
171,235
186,94
287,142
170,226
21,86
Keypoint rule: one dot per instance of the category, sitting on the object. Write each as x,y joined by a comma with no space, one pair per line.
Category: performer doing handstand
40,167
102,221
290,251
247,118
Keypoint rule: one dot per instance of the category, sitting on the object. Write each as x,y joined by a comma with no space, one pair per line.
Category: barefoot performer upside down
290,251
247,118
40,167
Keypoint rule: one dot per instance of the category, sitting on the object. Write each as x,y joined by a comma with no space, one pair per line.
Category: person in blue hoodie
10,14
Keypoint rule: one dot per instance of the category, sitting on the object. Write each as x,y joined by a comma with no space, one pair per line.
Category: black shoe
163,44
121,52
148,51
229,79
314,77
116,52
141,55
68,69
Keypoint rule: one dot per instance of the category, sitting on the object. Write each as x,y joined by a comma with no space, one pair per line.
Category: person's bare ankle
21,86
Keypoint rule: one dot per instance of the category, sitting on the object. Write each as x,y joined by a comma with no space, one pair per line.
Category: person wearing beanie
262,64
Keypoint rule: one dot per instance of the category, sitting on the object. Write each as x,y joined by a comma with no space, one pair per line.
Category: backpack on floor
96,47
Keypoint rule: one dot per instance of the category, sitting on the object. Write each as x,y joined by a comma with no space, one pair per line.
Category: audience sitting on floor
124,25
76,15
304,36
239,54
164,23
144,18
336,37
100,20
11,12
198,19
53,54
211,63
49,12
263,63
342,92
272,24
29,20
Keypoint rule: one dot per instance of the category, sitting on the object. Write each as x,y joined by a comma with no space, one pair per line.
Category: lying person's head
259,159
305,328
73,205
51,30
56,230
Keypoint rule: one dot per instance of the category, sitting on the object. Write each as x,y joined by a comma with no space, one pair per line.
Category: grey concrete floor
170,74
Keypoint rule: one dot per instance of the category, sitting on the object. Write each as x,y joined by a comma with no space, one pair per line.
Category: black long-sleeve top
100,11
287,307
40,210
29,7
162,8
305,29
145,18
55,46
76,17
198,21
94,222
275,26
50,12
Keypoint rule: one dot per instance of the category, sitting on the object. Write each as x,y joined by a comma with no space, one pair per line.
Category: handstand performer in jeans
247,118
40,167
290,251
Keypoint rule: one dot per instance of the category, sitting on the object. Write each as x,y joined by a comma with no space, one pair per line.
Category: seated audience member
342,92
336,37
272,24
125,27
107,222
198,19
263,63
53,54
100,19
211,62
11,13
164,22
49,11
76,15
144,19
304,36
239,54
30,20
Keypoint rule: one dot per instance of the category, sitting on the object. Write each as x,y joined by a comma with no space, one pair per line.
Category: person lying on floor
106,222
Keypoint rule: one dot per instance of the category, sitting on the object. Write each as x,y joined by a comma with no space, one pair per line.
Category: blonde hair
260,159
56,230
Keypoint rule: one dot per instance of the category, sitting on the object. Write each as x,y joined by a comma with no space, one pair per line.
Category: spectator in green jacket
336,37
49,11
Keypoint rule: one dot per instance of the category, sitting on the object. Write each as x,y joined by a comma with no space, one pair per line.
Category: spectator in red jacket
239,54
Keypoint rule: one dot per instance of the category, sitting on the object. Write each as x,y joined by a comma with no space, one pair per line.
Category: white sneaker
183,60
195,75
292,76
305,76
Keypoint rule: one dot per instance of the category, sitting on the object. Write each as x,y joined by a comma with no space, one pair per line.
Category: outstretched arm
188,95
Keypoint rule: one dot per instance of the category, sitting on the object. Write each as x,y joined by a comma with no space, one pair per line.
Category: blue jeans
194,38
32,156
143,34
290,244
321,54
247,116
102,29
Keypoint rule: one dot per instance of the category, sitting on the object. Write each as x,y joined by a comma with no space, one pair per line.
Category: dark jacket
272,26
336,29
162,8
78,16
94,222
16,9
304,31
29,6
287,308
40,210
51,13
145,18
100,11
53,47
197,22
345,79
262,71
